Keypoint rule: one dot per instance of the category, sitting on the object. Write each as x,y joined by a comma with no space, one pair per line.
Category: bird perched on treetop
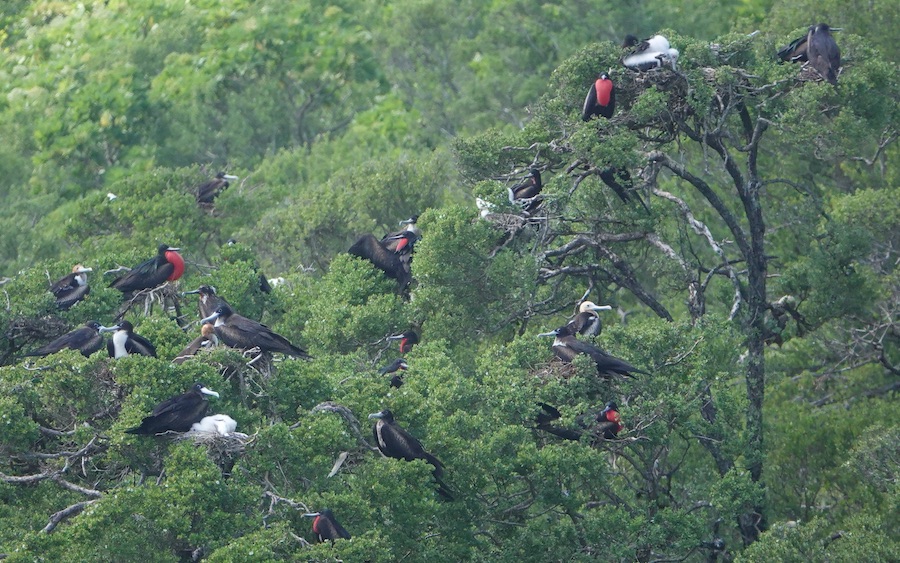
601,99
326,527
176,414
649,53
527,192
823,52
71,288
167,265
86,339
210,190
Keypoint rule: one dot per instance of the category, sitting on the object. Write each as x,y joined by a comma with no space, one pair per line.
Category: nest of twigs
224,450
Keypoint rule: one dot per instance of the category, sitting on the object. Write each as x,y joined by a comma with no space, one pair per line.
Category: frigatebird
393,441
167,265
240,332
125,341
86,339
823,52
206,341
567,348
407,339
587,321
209,301
71,288
527,192
210,190
391,256
176,414
220,424
402,241
600,100
395,366
649,53
606,423
326,527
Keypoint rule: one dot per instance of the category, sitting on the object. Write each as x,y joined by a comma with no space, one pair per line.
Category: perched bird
392,368
220,424
326,527
177,414
240,332
823,53
167,265
587,321
85,339
401,242
600,100
527,192
71,288
795,51
650,53
208,191
394,264
605,424
124,341
393,441
206,341
407,340
209,301
619,181
567,348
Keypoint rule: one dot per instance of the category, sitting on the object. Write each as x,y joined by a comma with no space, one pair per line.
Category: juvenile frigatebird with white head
72,288
650,53
86,339
167,265
125,341
177,414
587,321
240,332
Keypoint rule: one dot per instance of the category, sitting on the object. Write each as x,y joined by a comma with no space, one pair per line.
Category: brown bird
823,53
85,339
206,341
567,348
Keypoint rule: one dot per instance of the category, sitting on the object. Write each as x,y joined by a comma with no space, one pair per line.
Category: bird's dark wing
207,191
190,351
526,189
605,362
590,102
65,300
74,340
370,248
795,51
64,285
565,353
240,331
144,275
137,344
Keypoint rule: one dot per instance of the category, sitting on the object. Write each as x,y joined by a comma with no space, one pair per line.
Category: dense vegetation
753,270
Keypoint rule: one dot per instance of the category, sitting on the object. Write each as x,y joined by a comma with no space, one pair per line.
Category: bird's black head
224,310
630,41
220,175
603,76
126,326
206,290
612,406
161,249
94,325
202,389
823,28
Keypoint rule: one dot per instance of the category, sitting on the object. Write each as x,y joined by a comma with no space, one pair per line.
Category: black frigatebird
167,265
209,301
823,53
394,264
587,321
177,414
606,423
527,192
649,53
619,181
71,288
206,341
600,100
401,242
326,527
125,341
407,339
392,368
393,441
209,190
567,348
86,339
240,332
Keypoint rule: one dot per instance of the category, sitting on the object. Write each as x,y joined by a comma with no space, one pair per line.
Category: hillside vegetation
739,215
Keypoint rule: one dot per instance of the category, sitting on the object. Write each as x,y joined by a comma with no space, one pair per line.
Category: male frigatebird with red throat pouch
600,100
167,265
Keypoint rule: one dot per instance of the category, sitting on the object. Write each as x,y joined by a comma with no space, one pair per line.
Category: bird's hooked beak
601,308
396,337
206,391
83,270
230,177
311,514
109,328
172,248
554,332
407,221
191,292
210,318
376,415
